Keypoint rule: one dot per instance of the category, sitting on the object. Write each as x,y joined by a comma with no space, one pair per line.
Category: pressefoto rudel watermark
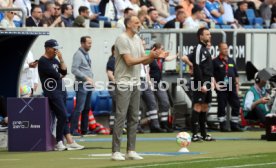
50,85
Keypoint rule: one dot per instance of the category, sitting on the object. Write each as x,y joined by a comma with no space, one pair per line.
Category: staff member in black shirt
202,66
51,71
227,86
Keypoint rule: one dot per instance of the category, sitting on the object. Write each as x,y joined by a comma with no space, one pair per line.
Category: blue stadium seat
248,26
1,16
250,15
257,26
217,26
101,103
17,23
226,26
259,21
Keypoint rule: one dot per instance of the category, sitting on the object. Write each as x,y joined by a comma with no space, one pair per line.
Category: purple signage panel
30,124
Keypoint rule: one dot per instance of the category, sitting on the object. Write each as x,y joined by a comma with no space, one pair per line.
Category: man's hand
203,89
35,86
94,17
59,55
163,54
90,82
33,64
264,100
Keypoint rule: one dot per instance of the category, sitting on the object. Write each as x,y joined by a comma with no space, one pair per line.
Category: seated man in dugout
256,102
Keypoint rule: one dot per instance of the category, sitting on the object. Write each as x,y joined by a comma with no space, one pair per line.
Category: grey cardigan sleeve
77,60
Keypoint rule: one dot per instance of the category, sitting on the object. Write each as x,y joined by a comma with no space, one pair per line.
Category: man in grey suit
81,68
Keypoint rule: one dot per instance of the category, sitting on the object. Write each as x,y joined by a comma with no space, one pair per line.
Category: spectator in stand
273,18
143,15
25,5
265,10
35,20
180,17
177,9
67,14
127,13
136,6
153,22
187,5
228,16
7,22
252,5
240,13
79,22
193,21
257,3
207,17
145,4
85,13
107,9
50,16
162,7
120,6
84,7
216,9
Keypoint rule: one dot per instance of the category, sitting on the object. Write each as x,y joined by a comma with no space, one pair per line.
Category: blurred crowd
153,14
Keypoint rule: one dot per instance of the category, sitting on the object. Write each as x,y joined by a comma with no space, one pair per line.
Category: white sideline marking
196,161
9,159
249,165
90,158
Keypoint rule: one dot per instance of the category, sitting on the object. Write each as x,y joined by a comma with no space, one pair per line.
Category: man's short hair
64,7
196,9
176,8
34,7
127,10
48,4
151,10
82,9
127,20
200,32
180,13
83,39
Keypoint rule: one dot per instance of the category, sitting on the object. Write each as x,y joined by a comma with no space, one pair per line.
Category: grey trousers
127,107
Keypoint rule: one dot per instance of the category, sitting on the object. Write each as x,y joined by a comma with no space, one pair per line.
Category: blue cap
52,44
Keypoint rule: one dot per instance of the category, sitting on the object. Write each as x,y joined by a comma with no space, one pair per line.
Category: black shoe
223,127
140,130
157,130
196,138
164,125
235,127
208,138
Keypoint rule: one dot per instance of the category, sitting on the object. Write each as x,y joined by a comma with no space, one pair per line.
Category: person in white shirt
193,21
78,3
29,73
228,16
120,6
25,5
7,22
127,13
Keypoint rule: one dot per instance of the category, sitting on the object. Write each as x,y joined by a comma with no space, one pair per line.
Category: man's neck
130,33
225,57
